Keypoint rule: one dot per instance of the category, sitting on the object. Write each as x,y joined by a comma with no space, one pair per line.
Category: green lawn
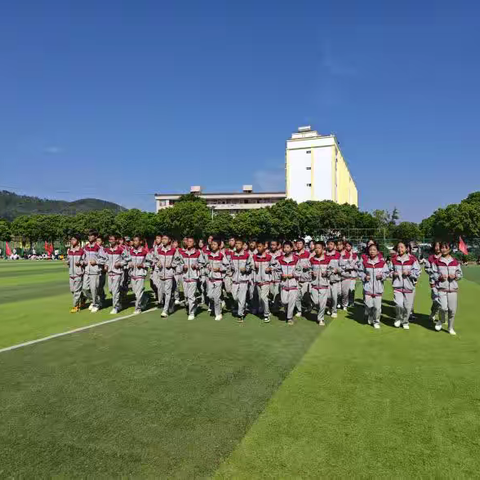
170,398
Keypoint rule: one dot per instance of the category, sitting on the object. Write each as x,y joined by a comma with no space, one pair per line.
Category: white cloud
53,150
269,180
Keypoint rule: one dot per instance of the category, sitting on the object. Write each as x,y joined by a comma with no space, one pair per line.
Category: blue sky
118,100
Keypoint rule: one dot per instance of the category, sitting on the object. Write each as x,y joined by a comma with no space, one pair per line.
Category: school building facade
315,169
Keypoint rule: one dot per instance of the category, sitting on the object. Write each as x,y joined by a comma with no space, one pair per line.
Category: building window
308,151
309,168
309,184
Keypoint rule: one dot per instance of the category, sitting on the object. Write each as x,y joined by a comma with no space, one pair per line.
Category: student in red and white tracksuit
227,281
165,260
252,297
304,278
405,271
241,266
264,265
217,264
373,272
320,283
276,253
154,274
93,263
289,267
76,268
192,261
349,268
335,275
138,263
432,259
116,260
447,272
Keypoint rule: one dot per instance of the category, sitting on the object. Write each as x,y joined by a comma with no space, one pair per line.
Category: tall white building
316,170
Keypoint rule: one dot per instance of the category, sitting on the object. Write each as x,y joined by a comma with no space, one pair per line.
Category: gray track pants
76,287
373,307
165,290
448,307
190,292
334,294
289,299
403,305
263,293
319,298
138,288
91,285
435,302
214,292
101,288
176,288
252,297
348,292
227,281
239,294
303,298
275,294
115,287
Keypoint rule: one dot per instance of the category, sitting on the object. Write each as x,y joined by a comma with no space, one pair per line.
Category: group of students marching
258,277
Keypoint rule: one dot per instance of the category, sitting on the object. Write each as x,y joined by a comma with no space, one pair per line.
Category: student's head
373,250
92,236
340,245
190,242
401,248
175,243
370,242
273,246
120,240
222,244
436,247
158,239
99,241
112,239
74,240
260,247
215,244
210,239
311,245
409,247
137,241
300,244
128,241
231,243
287,247
184,242
239,243
201,243
165,240
319,248
348,246
330,244
252,244
445,248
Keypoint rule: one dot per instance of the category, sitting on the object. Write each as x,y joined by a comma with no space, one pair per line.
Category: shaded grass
144,397
366,403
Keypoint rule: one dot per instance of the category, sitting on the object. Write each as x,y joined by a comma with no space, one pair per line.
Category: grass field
152,397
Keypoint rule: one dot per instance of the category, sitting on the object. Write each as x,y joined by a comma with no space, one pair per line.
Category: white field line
69,332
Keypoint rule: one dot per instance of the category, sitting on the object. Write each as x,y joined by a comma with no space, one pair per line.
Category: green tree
222,225
285,220
188,218
407,231
26,227
5,231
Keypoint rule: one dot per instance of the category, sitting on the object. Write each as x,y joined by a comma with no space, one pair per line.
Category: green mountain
13,205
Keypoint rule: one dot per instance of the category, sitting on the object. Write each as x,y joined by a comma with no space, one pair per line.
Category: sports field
147,396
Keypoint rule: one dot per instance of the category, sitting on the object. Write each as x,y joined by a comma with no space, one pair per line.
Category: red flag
46,247
51,249
462,246
7,249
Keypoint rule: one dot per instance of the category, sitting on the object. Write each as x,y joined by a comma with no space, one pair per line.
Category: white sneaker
397,323
90,307
266,319
345,308
164,315
209,310
191,317
177,302
137,312
328,312
406,326
298,314
451,331
94,309
438,326
113,311
223,304
321,323
218,318
376,326
369,321
334,315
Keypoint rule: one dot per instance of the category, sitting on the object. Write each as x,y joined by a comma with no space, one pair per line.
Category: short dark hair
445,244
331,240
320,242
288,242
75,235
93,232
301,240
